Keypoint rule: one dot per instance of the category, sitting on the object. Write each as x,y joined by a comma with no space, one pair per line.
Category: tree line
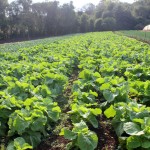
24,19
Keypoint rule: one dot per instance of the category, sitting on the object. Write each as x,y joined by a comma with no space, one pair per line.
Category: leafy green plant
132,119
80,137
84,97
113,75
19,144
84,112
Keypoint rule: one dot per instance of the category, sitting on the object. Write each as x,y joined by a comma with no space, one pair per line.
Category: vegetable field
140,35
87,92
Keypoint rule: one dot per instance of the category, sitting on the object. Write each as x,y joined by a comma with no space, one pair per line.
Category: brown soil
53,143
107,138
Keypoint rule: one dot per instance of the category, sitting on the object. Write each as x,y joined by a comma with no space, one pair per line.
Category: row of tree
24,19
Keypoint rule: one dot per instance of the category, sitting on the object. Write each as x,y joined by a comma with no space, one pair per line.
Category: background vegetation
24,19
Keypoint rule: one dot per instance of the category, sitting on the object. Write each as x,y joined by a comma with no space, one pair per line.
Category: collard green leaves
113,76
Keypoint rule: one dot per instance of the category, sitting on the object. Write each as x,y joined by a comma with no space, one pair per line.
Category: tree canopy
24,19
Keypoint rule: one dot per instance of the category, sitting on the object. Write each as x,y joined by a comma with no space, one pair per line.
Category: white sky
77,3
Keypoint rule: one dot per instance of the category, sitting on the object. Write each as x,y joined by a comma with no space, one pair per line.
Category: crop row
32,81
113,79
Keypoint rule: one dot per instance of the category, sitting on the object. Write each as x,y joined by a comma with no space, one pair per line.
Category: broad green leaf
147,121
145,143
39,124
19,124
105,86
132,129
93,121
11,146
96,111
136,109
93,93
34,138
136,120
20,144
3,127
114,81
100,80
25,85
110,112
85,74
69,134
53,115
96,74
109,96
87,142
133,142
56,109
45,91
69,146
118,126
79,127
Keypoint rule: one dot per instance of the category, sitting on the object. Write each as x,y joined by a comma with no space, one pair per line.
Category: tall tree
141,10
124,18
40,13
52,12
109,24
67,20
22,18
89,9
3,19
84,24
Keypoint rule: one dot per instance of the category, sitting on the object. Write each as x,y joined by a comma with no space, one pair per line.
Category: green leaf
96,74
19,144
147,121
45,91
56,109
96,111
62,132
145,143
3,127
79,127
132,128
136,120
133,142
105,86
110,112
18,124
109,96
93,121
39,124
85,74
118,126
54,116
69,134
34,138
87,142
11,146
93,93
69,146
100,80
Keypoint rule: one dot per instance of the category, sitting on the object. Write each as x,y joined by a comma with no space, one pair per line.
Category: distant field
141,35
13,46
